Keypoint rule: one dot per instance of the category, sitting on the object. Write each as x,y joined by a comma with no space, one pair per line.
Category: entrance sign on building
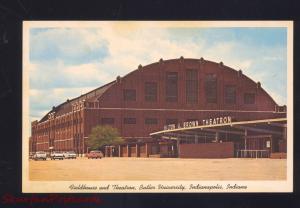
205,122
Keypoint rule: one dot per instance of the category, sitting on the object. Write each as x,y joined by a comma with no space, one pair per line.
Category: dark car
95,154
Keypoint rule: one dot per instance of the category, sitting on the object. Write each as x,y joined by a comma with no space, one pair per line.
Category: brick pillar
148,149
137,147
120,151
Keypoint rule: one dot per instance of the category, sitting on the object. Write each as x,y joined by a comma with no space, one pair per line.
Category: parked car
40,155
56,155
70,155
95,154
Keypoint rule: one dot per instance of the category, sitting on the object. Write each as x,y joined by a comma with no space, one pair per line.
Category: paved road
158,169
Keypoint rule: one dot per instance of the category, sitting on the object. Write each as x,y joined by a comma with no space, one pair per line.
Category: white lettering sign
205,122
214,121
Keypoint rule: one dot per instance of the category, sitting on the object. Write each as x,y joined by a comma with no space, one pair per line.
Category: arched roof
98,92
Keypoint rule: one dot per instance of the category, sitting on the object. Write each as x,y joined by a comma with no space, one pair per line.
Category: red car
94,154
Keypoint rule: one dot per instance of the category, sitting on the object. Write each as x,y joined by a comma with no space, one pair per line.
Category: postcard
157,106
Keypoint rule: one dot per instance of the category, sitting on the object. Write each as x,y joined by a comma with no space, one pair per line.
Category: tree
104,135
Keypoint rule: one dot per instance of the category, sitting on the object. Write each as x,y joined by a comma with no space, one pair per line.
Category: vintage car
95,154
56,155
40,155
70,155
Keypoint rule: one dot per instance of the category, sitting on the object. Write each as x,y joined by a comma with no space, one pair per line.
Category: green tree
104,135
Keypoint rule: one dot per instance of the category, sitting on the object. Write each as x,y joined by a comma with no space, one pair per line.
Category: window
171,121
230,94
107,121
171,86
249,98
129,120
191,86
129,95
151,121
151,91
211,88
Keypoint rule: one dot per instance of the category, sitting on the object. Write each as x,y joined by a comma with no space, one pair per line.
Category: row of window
148,121
192,90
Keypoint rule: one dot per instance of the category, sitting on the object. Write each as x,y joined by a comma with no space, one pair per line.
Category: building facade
150,97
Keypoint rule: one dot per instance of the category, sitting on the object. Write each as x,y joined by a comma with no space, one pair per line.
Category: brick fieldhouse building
150,97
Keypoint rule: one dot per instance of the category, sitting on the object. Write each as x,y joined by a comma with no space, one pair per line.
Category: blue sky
67,62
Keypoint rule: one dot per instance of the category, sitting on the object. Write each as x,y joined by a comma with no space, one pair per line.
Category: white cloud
91,72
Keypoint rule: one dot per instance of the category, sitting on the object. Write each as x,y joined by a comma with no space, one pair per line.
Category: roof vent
68,100
258,85
140,66
161,60
53,108
118,79
181,59
240,73
221,63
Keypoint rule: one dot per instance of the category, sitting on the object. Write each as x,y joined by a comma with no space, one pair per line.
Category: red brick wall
124,151
207,150
133,151
156,72
143,151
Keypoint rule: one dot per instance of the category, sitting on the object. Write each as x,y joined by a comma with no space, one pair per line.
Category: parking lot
157,169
